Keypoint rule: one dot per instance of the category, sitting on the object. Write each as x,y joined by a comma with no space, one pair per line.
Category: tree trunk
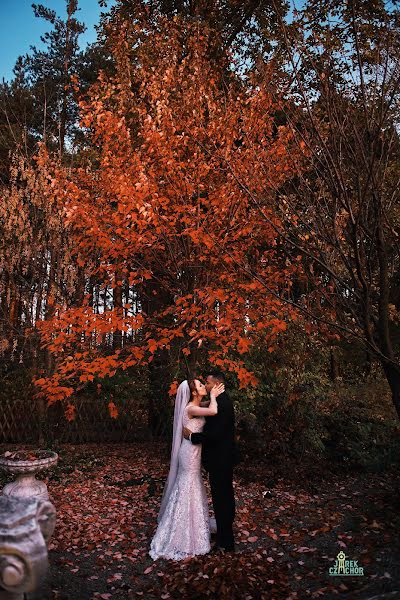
49,360
392,373
158,402
66,83
104,335
154,300
117,301
79,293
368,363
334,365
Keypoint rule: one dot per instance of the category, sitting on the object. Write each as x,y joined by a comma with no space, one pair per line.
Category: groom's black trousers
223,498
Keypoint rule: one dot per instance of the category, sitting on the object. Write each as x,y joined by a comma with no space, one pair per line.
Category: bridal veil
181,400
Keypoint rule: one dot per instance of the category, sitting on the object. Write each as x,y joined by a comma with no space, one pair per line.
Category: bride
183,520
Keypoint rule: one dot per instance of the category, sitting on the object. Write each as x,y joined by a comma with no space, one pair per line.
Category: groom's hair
217,374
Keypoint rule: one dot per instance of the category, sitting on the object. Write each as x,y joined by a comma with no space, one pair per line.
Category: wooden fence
30,423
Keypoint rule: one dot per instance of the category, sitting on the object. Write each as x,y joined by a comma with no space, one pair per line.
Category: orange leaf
112,410
243,345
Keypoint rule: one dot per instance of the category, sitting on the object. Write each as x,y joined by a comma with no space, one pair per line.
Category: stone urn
25,464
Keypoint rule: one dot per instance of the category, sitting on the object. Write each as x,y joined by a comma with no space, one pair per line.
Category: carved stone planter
26,485
26,524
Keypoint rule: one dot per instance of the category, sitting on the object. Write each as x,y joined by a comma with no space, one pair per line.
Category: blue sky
20,29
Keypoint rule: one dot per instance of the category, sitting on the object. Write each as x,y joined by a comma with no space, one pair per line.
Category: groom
219,456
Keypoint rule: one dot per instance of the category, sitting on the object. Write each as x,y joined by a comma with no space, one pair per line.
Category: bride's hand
217,390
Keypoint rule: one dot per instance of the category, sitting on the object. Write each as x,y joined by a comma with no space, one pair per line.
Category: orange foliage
164,197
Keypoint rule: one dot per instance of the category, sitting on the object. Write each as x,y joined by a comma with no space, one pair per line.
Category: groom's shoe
216,550
230,549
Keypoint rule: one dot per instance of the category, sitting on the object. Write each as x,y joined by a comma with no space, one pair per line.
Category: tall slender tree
340,215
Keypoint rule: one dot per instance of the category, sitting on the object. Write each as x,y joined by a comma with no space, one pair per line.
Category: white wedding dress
184,529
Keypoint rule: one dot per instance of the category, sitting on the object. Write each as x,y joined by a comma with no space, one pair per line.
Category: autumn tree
248,29
155,203
245,30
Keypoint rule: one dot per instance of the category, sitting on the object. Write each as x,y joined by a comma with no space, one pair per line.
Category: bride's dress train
184,529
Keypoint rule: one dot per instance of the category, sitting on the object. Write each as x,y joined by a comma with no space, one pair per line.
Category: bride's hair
192,387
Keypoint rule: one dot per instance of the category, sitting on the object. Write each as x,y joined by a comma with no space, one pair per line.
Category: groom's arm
216,426
196,438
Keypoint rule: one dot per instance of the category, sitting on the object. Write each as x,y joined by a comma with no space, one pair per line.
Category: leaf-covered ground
290,525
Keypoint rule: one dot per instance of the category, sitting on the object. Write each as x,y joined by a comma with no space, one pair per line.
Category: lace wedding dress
184,529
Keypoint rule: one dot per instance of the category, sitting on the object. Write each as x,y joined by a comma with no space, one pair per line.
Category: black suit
219,455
